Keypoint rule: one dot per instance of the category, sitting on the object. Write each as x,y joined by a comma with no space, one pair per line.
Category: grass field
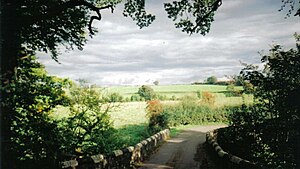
132,113
129,118
170,90
129,113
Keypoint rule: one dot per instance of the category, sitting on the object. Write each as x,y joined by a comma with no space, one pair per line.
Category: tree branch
55,11
214,8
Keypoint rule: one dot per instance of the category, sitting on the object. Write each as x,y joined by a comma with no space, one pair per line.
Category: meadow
123,115
170,90
129,118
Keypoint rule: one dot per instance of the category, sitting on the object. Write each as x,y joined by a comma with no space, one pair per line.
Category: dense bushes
157,120
268,133
32,94
113,97
38,139
147,92
191,111
88,128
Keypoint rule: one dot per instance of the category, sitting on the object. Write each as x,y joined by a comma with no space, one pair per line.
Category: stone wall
228,160
119,159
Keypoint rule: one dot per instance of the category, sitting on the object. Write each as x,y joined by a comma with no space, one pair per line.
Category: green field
129,118
132,113
170,90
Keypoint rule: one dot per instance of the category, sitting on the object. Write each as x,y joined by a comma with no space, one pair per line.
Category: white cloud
122,54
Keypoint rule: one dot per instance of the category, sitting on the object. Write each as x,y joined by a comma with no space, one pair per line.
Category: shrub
267,134
88,127
113,97
136,98
157,120
212,80
208,98
188,111
32,94
146,92
162,97
173,98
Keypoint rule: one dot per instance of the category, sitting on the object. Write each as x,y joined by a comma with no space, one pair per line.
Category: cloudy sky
123,54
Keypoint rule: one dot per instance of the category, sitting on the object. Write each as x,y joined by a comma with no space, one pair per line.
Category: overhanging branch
57,10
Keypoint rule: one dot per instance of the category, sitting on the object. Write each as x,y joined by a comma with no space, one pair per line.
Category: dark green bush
267,133
32,94
147,92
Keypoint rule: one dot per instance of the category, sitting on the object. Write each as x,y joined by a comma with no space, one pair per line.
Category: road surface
185,151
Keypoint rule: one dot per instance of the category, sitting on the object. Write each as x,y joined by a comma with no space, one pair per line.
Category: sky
122,54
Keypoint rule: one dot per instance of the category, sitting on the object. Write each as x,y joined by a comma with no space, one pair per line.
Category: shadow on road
185,151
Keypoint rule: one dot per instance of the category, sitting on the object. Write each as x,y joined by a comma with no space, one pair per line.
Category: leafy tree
277,82
88,128
28,26
37,25
276,90
156,82
212,80
193,16
32,95
147,92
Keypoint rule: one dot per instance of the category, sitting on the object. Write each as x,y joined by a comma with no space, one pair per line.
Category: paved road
185,151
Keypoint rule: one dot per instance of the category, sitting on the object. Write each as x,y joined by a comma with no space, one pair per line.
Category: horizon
123,54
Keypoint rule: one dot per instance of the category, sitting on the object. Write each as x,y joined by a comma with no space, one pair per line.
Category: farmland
169,90
132,113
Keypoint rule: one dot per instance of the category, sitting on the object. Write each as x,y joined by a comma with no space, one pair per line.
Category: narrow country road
185,151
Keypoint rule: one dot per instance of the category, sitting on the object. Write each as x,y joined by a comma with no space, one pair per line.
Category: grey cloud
121,53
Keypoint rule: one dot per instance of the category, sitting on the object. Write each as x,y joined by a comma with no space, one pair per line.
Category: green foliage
267,133
88,127
32,95
156,82
136,10
136,98
192,16
232,92
188,111
212,80
147,92
114,97
230,88
157,120
277,82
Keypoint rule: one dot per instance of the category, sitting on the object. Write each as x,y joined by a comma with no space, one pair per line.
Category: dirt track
185,151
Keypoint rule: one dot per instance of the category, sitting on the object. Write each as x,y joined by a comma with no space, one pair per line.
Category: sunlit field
169,90
131,113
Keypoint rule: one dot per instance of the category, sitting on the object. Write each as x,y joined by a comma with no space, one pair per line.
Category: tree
33,135
212,80
156,82
146,92
88,128
276,90
28,26
44,25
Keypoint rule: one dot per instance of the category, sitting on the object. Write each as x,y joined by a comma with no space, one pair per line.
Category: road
185,151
